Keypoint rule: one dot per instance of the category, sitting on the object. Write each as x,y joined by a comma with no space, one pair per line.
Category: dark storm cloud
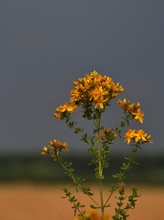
45,45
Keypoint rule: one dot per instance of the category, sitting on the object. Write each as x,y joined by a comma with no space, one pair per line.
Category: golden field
44,202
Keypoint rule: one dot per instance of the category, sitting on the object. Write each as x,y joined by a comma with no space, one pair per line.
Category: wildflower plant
94,93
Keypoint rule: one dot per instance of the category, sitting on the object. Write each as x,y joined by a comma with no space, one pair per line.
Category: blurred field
44,202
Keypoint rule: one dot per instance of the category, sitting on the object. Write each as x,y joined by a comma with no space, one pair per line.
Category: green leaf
94,207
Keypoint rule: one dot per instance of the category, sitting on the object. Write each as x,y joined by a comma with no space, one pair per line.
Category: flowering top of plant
133,109
93,94
54,148
93,90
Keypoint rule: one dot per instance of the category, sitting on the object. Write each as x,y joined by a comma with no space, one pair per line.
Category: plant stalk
100,169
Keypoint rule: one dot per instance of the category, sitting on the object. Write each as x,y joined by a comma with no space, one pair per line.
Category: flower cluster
92,215
92,91
133,109
107,134
136,136
54,148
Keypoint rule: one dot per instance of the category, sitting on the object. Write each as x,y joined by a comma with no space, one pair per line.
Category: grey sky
45,45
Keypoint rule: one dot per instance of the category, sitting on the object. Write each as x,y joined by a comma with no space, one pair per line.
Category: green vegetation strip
41,169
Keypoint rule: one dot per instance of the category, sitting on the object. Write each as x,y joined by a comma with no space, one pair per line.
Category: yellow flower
138,115
133,109
76,96
149,139
93,89
140,135
61,109
71,107
116,89
54,148
98,95
45,150
92,215
136,136
130,134
57,144
123,104
67,107
58,116
94,74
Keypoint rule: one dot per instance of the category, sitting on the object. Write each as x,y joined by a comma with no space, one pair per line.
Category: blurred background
45,46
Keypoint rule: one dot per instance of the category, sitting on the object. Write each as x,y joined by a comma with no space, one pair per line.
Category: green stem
101,198
131,159
77,183
100,169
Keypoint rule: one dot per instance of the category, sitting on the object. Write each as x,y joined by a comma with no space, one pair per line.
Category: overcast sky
46,44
